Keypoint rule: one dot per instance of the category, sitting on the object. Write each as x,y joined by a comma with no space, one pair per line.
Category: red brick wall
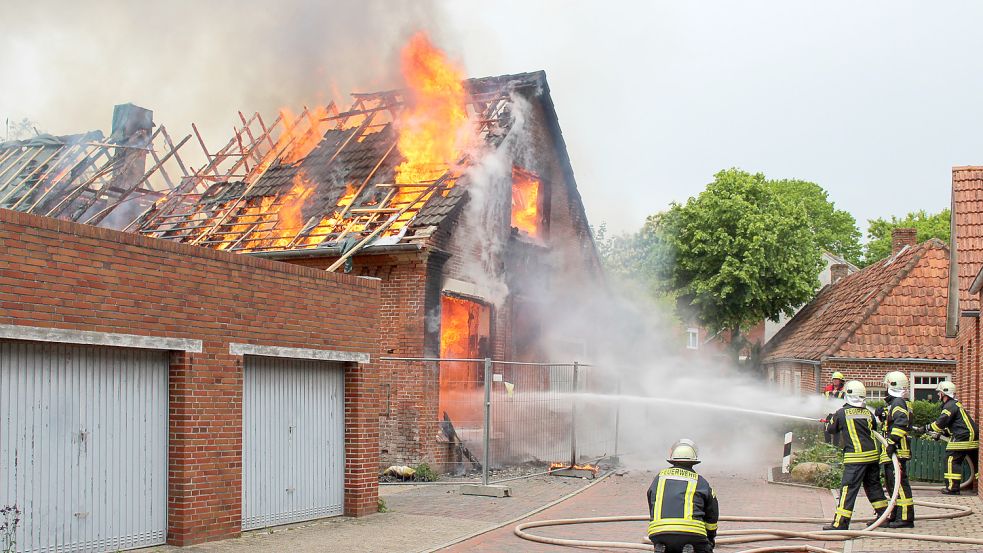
967,377
871,373
64,275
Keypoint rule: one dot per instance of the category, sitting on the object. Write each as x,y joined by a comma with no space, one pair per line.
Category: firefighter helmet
838,376
856,393
896,382
684,451
947,388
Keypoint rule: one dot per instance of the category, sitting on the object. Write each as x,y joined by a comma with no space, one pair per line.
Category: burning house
458,195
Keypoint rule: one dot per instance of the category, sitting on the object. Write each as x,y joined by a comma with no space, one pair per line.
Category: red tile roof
967,203
892,309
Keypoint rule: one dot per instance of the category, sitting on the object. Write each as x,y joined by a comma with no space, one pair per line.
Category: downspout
952,307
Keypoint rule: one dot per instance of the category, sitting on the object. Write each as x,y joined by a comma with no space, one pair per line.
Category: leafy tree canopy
928,225
740,252
834,230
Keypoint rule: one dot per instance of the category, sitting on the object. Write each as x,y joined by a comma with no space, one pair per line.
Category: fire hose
731,537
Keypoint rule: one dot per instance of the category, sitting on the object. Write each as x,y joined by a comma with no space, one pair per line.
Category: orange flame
461,328
290,215
434,128
561,466
525,202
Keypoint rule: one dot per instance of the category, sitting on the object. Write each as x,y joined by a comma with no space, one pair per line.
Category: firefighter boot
660,548
901,524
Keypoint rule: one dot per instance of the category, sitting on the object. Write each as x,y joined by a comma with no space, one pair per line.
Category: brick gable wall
57,274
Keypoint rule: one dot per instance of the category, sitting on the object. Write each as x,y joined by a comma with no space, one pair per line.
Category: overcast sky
875,101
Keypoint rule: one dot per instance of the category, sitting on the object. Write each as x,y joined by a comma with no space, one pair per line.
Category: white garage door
293,441
83,445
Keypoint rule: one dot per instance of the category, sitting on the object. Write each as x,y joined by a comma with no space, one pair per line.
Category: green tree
928,225
740,253
834,230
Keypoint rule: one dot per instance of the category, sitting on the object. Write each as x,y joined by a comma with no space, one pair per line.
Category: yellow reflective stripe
688,501
968,423
878,504
852,428
844,512
898,432
861,457
946,412
840,510
960,446
711,526
904,502
657,509
678,525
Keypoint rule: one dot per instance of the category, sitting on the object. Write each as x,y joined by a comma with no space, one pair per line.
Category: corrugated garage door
83,445
293,441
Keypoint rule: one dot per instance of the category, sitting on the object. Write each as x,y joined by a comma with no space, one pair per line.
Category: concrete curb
518,518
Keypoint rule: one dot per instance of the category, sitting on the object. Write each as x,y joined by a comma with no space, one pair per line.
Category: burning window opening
527,215
465,333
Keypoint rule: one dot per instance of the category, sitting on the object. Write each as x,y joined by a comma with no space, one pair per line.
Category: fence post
573,417
617,417
487,423
787,453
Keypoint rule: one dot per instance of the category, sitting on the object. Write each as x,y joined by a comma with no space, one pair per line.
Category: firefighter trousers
904,508
856,475
954,466
674,542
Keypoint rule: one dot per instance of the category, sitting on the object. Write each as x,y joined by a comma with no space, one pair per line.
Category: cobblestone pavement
970,526
744,494
421,518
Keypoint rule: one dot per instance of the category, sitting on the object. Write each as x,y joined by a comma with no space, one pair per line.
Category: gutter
953,299
977,284
894,360
334,251
791,360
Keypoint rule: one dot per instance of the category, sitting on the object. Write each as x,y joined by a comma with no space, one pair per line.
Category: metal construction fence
498,414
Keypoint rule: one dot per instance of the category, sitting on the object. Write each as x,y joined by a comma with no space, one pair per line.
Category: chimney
837,271
901,237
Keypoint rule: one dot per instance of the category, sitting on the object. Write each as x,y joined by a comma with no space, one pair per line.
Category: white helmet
896,382
856,393
684,451
947,388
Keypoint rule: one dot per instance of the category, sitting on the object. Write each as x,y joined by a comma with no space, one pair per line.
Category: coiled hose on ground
732,537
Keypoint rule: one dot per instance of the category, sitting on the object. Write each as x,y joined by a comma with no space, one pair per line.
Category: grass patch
425,474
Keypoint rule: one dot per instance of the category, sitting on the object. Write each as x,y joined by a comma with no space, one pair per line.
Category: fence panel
928,461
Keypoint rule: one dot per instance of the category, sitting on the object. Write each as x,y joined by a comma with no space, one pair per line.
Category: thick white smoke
66,63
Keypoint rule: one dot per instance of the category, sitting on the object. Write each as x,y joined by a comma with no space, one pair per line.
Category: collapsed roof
88,177
328,178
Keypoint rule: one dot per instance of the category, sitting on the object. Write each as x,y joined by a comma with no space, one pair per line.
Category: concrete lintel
68,336
487,491
298,353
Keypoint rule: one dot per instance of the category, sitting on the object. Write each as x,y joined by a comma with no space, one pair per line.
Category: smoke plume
65,64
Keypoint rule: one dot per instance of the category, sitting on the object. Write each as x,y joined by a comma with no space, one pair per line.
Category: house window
527,204
923,385
876,394
692,338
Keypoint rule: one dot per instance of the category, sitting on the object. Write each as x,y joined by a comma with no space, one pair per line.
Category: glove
919,429
892,448
933,435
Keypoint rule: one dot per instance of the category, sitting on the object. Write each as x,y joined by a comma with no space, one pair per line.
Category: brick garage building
493,244
128,366
889,316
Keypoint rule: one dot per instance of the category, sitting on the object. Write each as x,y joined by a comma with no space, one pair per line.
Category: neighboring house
472,268
889,316
834,268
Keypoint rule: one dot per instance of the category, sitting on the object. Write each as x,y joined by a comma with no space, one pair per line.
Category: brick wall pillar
362,401
204,446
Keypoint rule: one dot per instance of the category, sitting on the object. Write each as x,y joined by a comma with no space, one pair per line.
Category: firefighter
860,455
963,434
895,418
834,390
682,506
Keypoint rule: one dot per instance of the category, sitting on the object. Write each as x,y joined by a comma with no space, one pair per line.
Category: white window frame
876,394
692,338
916,375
